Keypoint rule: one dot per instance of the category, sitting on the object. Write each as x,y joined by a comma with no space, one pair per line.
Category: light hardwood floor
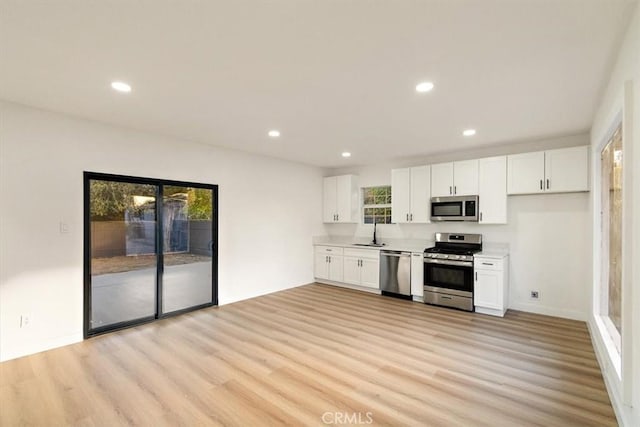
312,354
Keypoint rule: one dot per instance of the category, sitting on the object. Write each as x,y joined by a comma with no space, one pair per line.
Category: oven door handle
448,262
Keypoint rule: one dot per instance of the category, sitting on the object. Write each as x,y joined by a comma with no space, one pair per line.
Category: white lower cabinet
359,267
370,272
362,267
417,275
491,285
329,263
336,268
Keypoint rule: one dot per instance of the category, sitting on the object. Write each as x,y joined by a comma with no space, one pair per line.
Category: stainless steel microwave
454,208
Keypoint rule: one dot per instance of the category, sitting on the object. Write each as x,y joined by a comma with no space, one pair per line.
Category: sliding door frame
159,183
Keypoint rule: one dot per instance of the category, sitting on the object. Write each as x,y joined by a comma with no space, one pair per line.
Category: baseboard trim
549,311
39,348
348,286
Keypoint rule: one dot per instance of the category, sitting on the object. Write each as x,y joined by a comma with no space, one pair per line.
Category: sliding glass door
150,249
611,262
188,244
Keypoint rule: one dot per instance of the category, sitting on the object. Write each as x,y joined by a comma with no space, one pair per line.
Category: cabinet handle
326,259
450,190
480,216
541,184
476,276
407,217
455,190
547,183
410,217
329,259
486,263
337,217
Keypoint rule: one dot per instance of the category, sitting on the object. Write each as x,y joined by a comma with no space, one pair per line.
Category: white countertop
493,250
389,244
490,250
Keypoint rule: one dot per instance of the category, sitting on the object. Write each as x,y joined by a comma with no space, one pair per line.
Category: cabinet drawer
362,253
488,264
330,250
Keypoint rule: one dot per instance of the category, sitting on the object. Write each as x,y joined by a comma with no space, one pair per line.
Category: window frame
88,331
387,217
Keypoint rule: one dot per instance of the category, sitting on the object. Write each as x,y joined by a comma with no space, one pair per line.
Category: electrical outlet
24,321
535,294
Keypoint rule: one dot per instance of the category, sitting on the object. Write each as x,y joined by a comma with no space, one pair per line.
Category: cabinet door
442,180
525,173
370,273
487,291
400,205
343,197
420,191
329,199
567,169
351,270
492,190
417,274
465,178
336,268
321,266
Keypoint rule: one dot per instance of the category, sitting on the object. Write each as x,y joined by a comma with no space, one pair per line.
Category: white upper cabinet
567,170
454,179
525,173
442,180
330,199
465,178
400,194
340,199
420,194
552,171
492,190
410,195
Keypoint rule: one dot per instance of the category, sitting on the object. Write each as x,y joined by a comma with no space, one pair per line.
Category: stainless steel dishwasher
395,274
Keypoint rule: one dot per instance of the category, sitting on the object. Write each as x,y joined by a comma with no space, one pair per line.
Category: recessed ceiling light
121,87
274,133
469,132
346,154
424,87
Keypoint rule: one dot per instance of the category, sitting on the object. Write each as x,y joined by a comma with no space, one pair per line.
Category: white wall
269,211
622,96
549,235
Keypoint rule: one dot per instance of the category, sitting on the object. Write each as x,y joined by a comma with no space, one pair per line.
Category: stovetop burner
437,250
454,247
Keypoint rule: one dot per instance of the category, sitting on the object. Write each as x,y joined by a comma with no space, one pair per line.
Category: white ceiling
331,75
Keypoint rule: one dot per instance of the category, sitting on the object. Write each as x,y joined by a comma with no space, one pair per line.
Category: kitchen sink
371,245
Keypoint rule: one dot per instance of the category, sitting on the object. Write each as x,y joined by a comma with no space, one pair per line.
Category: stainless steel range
448,270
